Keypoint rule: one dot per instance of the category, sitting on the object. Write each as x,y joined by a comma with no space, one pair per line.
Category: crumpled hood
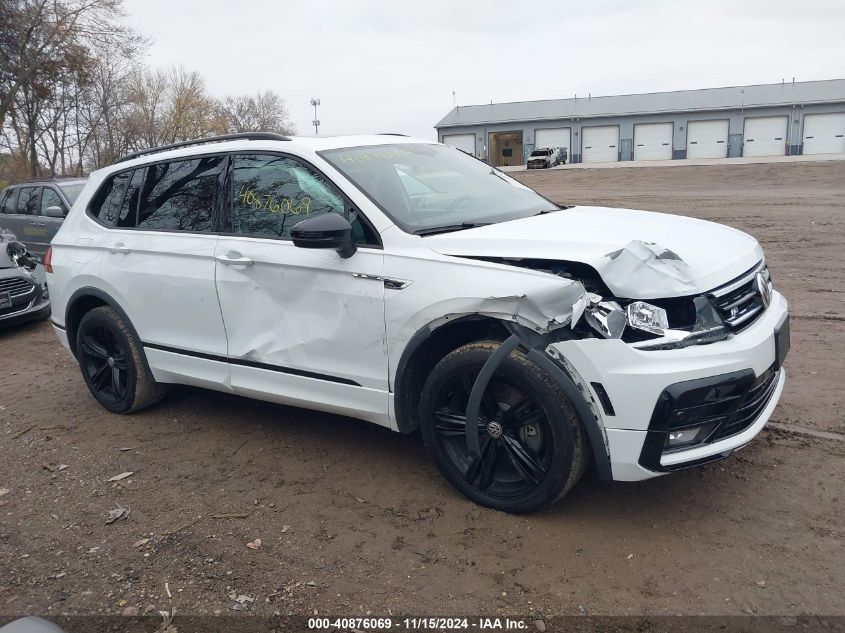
639,254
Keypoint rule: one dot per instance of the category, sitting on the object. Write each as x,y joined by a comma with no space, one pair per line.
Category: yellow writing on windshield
363,156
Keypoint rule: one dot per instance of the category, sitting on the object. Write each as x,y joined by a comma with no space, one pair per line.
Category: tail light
48,260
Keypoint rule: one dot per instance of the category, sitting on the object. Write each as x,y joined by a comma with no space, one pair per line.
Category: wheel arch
82,301
425,349
435,340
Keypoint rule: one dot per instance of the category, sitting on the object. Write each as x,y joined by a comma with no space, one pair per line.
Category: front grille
16,286
13,309
739,302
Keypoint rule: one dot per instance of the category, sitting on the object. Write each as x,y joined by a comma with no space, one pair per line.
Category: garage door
765,136
707,139
824,133
464,142
653,141
553,137
600,143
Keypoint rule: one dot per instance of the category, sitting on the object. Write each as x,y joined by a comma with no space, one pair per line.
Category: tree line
75,93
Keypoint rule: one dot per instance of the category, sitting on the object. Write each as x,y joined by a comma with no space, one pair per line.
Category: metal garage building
806,117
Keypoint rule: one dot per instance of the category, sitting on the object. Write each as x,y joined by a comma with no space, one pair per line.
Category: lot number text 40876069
421,623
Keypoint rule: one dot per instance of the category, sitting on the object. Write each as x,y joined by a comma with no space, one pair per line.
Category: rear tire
113,363
533,446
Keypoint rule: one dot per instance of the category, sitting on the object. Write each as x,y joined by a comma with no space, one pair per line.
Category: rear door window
8,201
181,195
28,200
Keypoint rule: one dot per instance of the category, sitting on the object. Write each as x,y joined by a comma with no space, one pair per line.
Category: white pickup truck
545,157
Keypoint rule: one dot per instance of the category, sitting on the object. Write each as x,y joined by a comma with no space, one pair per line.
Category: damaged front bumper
632,380
23,295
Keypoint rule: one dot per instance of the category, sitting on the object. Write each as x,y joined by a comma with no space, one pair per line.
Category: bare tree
39,38
265,111
74,94
170,106
147,97
190,111
104,125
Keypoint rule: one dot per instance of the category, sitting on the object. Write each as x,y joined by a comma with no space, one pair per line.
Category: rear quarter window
116,202
106,204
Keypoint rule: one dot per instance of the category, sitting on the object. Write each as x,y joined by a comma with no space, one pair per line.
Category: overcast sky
391,66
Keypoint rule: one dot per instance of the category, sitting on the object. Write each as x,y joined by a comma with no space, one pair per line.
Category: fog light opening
688,437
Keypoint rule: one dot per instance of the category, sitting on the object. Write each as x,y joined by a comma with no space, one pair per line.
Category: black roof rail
390,134
244,136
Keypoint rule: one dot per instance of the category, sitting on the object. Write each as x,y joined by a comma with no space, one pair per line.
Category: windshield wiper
434,230
493,172
545,211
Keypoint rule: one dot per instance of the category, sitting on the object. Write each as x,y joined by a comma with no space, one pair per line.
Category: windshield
72,191
423,186
541,152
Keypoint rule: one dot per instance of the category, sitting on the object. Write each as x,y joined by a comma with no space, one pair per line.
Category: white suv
405,283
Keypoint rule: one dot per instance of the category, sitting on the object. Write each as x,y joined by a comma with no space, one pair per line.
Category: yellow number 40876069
287,206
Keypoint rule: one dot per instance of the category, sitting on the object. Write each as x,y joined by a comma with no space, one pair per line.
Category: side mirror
54,212
325,231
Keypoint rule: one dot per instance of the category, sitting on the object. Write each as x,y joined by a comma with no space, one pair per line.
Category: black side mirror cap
330,230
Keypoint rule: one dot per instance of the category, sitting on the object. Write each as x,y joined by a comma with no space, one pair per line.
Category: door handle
234,261
119,249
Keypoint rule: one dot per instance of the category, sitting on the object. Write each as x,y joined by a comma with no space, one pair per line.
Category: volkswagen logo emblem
765,289
495,430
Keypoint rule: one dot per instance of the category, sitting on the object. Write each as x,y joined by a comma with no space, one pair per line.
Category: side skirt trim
254,364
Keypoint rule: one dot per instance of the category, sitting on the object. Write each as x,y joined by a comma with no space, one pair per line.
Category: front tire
113,364
533,447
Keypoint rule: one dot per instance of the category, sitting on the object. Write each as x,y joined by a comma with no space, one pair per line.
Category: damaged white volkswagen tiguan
405,283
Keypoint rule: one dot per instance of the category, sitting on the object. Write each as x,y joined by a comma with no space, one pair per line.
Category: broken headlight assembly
647,326
605,317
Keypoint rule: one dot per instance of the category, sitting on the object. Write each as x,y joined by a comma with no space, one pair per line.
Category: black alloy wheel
104,361
513,430
113,363
532,446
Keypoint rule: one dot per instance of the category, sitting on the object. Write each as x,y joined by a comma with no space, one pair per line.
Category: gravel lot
354,519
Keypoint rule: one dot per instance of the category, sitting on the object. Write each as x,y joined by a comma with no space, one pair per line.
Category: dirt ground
355,519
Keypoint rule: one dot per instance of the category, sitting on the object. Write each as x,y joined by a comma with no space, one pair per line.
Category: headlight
609,319
646,317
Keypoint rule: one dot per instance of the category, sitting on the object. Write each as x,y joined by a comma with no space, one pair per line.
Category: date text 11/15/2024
419,623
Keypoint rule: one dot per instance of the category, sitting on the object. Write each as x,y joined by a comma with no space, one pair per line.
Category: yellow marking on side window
287,206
